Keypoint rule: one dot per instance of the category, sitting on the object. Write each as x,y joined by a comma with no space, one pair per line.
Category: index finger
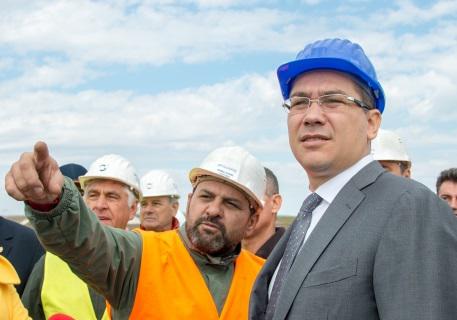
40,153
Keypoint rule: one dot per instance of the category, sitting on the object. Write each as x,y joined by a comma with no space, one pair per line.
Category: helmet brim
83,180
160,194
198,172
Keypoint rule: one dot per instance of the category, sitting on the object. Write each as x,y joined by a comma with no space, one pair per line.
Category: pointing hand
35,177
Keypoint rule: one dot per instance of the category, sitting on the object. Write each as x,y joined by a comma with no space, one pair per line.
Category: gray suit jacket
386,248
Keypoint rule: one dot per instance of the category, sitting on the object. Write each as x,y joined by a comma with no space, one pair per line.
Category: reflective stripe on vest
63,292
170,285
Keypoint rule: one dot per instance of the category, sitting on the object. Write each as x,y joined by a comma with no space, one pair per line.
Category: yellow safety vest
64,293
10,303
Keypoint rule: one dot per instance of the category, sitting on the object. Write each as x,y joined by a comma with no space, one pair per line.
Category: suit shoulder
17,228
399,185
409,193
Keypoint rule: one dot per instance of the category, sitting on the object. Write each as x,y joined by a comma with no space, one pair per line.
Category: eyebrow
112,193
445,195
320,93
225,199
106,193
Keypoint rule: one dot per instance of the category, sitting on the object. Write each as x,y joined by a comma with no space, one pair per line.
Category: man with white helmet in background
160,202
111,191
198,271
389,149
266,234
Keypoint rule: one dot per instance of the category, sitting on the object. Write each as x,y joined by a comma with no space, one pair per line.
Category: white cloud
50,73
311,2
220,112
6,63
407,13
223,3
423,97
99,32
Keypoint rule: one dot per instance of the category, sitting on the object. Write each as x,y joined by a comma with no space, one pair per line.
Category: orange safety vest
171,286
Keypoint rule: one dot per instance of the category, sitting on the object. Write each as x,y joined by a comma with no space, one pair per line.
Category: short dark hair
366,94
404,165
272,183
446,175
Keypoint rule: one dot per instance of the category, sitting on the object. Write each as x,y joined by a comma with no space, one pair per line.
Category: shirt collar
332,187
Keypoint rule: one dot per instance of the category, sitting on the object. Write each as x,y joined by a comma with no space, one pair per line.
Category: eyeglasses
327,102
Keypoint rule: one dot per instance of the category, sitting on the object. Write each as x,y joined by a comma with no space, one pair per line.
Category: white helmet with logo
388,146
113,167
237,167
157,183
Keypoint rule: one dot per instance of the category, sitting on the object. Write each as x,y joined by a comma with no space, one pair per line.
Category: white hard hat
237,167
113,167
157,183
388,146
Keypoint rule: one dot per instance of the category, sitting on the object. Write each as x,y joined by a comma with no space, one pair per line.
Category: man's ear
253,219
133,210
276,202
175,207
374,122
189,198
407,173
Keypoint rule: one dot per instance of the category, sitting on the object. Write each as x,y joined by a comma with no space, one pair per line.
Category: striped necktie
297,235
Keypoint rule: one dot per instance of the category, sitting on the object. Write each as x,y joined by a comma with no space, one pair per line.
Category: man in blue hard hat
365,244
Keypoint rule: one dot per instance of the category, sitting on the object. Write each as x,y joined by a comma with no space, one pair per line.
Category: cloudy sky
164,82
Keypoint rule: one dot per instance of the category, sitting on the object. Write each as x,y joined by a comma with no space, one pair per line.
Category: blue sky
164,82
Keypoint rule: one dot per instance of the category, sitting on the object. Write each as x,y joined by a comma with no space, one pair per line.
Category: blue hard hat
332,54
73,170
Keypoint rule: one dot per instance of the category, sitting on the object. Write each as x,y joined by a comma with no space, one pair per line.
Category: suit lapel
259,296
331,222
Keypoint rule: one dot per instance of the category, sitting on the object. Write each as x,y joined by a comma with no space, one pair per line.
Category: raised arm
108,259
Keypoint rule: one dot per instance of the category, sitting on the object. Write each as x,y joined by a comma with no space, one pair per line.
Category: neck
253,244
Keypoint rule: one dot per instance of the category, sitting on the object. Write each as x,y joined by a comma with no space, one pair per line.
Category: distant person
21,247
389,149
198,271
160,202
111,191
266,234
446,187
74,171
11,307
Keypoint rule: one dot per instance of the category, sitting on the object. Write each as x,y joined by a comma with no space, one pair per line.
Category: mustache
211,219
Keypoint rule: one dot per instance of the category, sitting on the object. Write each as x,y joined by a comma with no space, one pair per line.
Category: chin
108,223
315,164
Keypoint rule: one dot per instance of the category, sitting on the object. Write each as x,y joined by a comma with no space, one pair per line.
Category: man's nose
101,202
148,207
454,203
314,114
214,208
